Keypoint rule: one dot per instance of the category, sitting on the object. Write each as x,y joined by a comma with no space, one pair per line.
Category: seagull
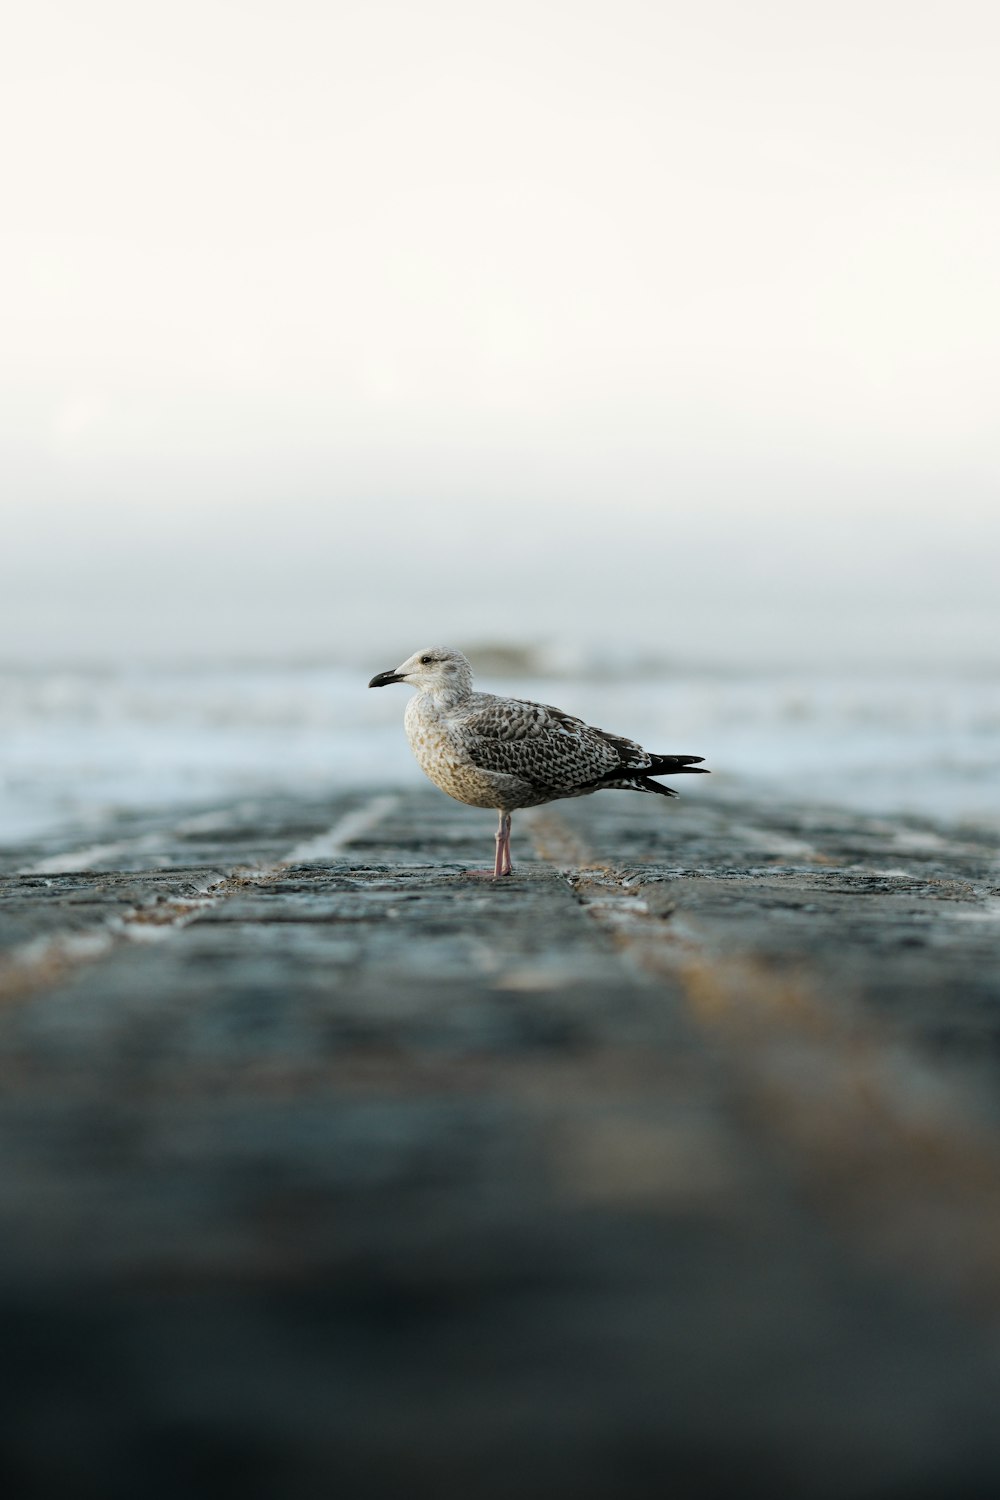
509,753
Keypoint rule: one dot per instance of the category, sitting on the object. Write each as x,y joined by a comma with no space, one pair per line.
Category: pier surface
669,1166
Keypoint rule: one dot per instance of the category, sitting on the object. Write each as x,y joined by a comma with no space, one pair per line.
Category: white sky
701,297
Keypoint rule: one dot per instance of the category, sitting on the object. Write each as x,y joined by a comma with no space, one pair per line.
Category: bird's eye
425,661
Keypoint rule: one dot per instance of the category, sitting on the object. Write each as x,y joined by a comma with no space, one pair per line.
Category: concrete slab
670,1165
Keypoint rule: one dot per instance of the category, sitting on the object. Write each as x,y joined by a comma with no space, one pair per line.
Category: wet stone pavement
670,1165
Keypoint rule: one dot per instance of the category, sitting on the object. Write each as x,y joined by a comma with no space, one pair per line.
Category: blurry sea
80,743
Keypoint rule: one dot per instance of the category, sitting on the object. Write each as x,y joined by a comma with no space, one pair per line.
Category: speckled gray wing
547,748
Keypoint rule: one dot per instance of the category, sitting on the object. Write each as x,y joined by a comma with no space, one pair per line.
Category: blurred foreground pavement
670,1166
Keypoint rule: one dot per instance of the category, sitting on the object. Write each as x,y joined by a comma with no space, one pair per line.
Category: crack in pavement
884,1142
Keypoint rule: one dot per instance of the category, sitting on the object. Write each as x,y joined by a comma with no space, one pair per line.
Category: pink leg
502,865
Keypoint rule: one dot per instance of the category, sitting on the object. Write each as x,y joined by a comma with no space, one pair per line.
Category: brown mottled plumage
508,752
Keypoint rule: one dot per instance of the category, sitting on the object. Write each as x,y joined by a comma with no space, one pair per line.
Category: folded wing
555,751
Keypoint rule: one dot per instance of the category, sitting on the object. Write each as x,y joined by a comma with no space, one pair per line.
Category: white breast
437,747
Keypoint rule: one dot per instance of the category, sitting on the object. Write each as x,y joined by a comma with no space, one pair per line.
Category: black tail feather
675,765
659,765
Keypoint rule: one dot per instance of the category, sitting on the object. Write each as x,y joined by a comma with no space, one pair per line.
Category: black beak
383,679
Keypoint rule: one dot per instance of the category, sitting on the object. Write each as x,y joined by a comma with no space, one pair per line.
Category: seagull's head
435,669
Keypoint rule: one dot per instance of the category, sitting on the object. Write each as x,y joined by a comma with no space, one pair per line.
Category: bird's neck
443,700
